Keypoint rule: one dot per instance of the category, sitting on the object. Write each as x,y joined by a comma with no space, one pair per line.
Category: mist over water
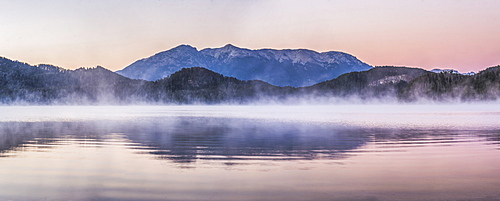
272,152
442,116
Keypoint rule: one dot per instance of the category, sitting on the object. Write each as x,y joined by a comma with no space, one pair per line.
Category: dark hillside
21,83
200,85
445,86
379,82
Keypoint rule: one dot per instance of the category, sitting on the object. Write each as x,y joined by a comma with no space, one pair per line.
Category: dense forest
21,83
447,86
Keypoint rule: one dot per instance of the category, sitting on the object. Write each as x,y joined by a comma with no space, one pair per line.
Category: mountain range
21,83
297,68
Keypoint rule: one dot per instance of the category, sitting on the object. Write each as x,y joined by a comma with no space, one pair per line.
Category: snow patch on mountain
288,67
452,71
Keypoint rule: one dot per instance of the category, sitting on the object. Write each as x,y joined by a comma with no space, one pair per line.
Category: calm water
346,152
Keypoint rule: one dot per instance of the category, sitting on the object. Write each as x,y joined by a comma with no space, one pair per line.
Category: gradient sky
459,34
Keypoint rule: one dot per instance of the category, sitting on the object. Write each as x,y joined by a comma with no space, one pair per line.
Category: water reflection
242,159
17,136
185,140
190,139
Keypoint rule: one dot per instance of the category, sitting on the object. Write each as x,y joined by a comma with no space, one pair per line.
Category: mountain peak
184,47
179,50
230,46
300,67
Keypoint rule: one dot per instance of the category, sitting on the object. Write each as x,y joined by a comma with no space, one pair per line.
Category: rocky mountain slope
297,68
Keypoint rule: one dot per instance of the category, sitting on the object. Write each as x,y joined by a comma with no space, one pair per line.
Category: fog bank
422,116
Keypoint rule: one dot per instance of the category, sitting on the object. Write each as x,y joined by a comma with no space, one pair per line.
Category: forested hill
21,83
402,84
448,86
44,84
377,83
201,86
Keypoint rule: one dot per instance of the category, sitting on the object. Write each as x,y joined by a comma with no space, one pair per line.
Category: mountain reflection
188,140
191,139
43,135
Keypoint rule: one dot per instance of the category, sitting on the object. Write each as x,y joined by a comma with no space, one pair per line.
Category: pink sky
463,35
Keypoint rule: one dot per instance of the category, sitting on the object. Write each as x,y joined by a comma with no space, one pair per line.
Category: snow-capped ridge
287,67
452,71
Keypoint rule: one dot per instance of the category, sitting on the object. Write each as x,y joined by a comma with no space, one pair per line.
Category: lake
322,152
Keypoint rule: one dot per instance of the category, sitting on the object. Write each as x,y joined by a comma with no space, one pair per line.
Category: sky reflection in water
182,155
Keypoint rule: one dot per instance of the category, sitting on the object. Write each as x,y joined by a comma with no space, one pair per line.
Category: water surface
345,152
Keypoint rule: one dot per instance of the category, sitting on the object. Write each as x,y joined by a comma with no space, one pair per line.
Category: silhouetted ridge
378,82
196,77
46,84
200,85
21,83
448,86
